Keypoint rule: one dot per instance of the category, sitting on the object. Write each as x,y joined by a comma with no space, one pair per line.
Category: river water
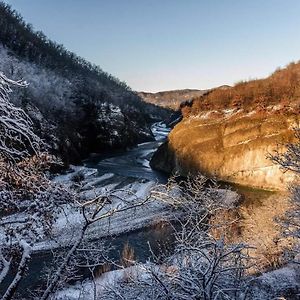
127,167
133,163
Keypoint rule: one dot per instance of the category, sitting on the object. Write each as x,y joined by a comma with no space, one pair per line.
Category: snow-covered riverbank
283,281
128,177
69,223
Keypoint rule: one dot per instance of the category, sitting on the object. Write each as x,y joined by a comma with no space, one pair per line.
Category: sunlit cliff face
234,147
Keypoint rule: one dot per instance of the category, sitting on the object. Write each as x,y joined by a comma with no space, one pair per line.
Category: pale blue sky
170,44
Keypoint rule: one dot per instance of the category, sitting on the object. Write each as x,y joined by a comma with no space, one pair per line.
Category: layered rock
233,147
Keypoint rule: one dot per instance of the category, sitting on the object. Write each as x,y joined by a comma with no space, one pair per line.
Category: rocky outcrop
233,147
163,159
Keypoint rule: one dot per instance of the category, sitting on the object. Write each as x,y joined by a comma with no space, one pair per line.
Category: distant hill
171,99
76,106
230,132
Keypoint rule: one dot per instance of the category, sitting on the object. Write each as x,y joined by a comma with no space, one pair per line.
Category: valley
108,192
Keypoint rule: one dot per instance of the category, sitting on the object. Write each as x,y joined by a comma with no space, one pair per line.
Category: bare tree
17,139
24,188
93,211
202,267
290,161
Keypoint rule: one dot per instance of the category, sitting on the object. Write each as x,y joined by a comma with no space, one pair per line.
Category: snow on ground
70,220
85,290
206,115
283,283
73,172
97,181
229,112
67,227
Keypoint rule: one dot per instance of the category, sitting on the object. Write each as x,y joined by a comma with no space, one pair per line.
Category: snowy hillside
76,107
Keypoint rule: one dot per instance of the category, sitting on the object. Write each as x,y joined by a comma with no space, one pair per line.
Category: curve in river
133,163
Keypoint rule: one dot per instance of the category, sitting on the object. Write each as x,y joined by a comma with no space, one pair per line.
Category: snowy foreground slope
107,281
284,282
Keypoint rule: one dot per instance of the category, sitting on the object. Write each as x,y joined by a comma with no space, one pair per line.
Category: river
257,211
124,168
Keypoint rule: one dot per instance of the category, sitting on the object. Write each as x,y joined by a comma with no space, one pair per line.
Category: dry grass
127,257
23,180
260,229
106,267
257,226
281,88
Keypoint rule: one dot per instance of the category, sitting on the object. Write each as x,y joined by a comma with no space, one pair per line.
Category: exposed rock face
163,159
232,147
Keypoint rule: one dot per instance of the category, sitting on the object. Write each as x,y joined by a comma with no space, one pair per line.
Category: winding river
257,211
127,167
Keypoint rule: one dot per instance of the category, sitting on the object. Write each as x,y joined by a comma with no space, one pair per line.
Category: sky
156,45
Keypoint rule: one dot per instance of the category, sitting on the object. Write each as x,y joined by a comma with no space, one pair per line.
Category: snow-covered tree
290,162
17,139
202,266
23,188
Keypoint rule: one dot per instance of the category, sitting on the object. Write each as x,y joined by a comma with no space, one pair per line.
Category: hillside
76,107
171,99
229,133
281,89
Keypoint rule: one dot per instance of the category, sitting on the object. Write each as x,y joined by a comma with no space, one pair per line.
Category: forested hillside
75,106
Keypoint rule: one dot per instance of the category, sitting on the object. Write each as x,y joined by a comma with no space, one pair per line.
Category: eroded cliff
233,146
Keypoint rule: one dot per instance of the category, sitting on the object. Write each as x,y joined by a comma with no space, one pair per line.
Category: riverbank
268,278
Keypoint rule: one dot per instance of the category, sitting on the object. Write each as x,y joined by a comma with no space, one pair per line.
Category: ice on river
160,131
